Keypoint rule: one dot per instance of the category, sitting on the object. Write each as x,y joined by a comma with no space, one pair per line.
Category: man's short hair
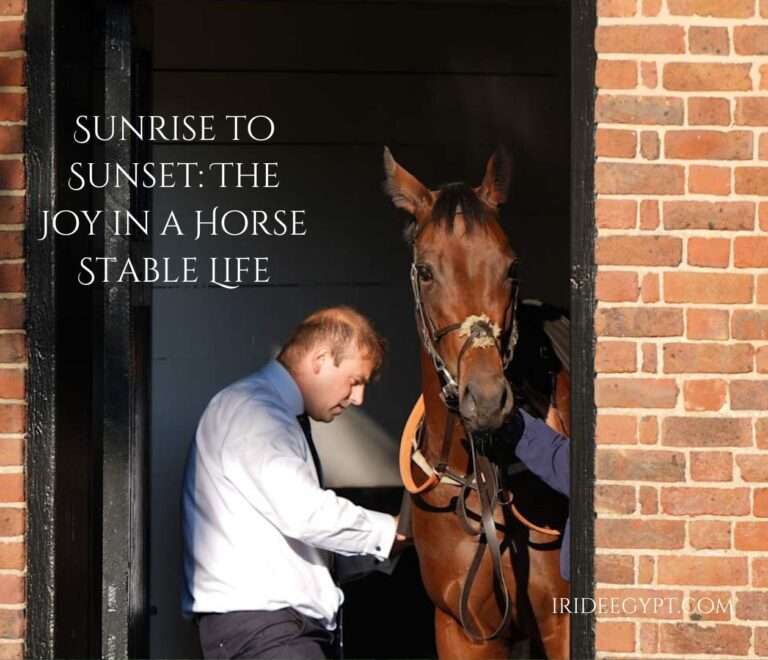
340,328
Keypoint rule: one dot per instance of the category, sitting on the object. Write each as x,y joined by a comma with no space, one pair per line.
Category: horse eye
425,272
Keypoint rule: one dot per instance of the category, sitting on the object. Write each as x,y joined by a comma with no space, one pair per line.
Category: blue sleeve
546,453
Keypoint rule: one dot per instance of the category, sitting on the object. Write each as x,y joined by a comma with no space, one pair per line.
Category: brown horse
465,284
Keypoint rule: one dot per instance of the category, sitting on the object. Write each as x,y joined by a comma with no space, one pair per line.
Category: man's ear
498,176
405,190
317,357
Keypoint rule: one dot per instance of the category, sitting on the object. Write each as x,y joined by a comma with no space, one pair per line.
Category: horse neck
436,418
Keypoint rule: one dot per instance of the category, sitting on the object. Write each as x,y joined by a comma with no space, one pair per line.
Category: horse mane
452,197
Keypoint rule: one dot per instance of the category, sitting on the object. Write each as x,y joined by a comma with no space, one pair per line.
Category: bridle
480,332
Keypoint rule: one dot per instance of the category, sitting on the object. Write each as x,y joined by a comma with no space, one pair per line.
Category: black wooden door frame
43,170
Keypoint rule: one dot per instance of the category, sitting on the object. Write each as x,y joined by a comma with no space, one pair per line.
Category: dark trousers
283,633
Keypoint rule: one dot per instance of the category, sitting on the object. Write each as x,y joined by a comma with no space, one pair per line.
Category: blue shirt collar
286,386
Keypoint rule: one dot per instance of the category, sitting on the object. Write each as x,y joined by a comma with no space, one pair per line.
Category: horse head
464,277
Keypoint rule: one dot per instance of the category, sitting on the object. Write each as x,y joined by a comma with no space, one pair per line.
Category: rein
480,333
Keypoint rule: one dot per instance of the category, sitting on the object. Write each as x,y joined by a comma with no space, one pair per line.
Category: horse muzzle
485,402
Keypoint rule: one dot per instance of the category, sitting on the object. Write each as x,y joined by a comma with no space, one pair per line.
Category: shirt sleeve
546,453
269,467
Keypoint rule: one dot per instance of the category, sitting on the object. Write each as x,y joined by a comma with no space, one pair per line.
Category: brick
12,452
12,311
708,145
709,111
753,467
12,210
752,606
750,324
11,622
615,636
708,358
11,35
11,651
649,145
614,286
716,8
12,348
750,252
709,252
710,534
11,173
691,638
616,357
764,77
640,603
711,466
12,7
11,139
706,432
709,180
710,76
761,634
12,522
639,250
639,322
12,557
649,75
12,106
12,71
623,109
701,501
651,7
616,8
762,214
648,497
615,213
648,430
629,178
748,535
11,489
708,40
649,638
11,589
760,503
12,383
645,569
636,393
12,419
751,111
762,150
11,245
616,74
697,570
640,39
750,40
704,394
613,143
760,572
731,216
762,289
650,288
749,395
639,533
639,465
707,288
650,359
761,360
615,569
707,324
649,214
616,429
752,180
711,606
614,499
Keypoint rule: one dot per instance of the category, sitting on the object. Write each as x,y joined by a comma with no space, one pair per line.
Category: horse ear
406,191
498,175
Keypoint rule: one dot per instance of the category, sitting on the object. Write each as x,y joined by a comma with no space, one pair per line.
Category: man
546,453
259,529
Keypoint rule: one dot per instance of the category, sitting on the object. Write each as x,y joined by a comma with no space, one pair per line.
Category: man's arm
545,452
270,472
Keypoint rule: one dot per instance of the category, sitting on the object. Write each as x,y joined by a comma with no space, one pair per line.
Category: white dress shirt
258,528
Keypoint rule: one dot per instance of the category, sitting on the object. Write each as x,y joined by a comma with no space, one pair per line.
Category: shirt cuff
383,534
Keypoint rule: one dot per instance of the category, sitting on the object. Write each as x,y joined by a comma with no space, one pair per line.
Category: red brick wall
682,324
12,338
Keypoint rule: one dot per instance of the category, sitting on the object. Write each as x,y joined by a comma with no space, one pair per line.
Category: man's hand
401,540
